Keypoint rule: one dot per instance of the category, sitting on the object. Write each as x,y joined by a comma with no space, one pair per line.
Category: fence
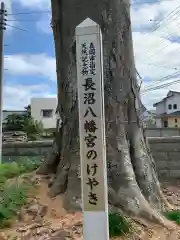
162,132
166,152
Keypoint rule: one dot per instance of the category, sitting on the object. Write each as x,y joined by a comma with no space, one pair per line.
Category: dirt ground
45,219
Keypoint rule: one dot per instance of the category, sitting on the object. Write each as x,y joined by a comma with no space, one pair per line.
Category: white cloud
29,64
16,96
12,100
153,48
35,4
44,24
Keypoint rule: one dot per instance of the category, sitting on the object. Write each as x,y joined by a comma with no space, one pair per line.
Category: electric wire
160,86
159,25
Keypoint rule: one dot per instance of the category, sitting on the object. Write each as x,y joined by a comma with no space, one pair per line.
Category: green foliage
10,170
15,122
13,196
34,137
33,127
118,225
23,122
173,215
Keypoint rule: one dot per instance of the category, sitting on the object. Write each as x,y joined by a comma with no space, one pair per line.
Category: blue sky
30,58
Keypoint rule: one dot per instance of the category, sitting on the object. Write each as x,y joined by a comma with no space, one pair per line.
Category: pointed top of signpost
87,23
87,27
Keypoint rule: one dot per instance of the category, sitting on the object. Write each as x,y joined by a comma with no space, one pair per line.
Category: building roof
14,111
169,94
173,114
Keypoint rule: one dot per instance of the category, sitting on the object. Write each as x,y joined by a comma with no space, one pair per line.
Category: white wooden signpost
92,130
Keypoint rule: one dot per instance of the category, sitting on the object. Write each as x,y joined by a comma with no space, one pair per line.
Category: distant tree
23,122
15,122
33,128
28,110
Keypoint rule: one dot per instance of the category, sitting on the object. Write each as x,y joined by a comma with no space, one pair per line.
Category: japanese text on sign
88,70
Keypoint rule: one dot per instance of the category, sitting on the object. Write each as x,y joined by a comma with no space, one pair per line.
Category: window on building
169,106
174,106
175,120
176,125
47,113
165,123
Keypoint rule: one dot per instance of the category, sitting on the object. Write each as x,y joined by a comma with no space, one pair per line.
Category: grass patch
14,169
12,199
14,195
118,225
173,215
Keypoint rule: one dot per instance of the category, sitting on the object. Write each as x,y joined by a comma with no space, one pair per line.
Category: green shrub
14,195
29,165
34,137
10,170
12,198
173,215
118,225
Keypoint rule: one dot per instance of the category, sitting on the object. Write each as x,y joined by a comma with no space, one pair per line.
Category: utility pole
2,28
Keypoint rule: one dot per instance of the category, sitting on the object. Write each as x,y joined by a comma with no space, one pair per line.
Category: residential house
44,110
168,111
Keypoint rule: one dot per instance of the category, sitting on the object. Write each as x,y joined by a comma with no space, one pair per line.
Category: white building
44,109
168,110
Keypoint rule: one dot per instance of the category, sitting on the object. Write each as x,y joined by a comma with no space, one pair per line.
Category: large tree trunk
132,179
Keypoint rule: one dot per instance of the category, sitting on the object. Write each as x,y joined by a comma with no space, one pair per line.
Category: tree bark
132,178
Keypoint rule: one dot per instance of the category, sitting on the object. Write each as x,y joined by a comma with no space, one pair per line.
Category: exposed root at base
139,209
51,162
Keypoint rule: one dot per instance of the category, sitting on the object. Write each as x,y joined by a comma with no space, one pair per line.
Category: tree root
143,163
145,173
59,185
51,162
133,203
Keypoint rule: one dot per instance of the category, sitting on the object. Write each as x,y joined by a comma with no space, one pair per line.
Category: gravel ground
45,219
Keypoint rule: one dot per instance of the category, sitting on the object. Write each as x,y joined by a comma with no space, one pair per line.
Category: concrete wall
40,104
158,122
166,152
16,150
162,132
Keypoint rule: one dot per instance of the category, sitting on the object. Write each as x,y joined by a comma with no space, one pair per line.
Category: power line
160,86
27,13
167,17
155,65
159,24
148,2
163,79
15,27
163,47
168,77
21,20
